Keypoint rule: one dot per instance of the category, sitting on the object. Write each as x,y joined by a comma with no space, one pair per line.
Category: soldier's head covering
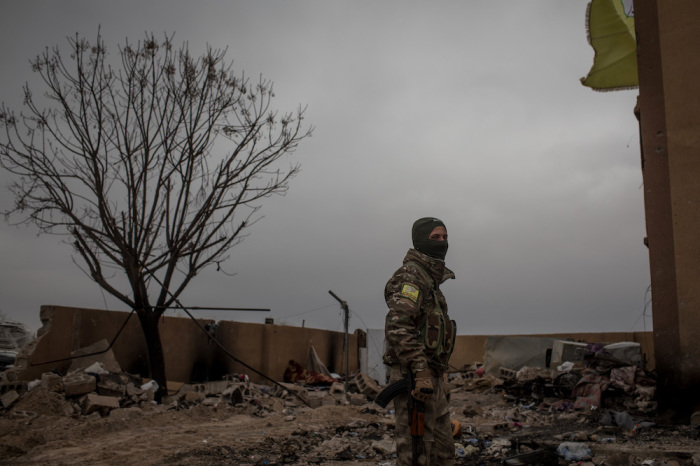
420,235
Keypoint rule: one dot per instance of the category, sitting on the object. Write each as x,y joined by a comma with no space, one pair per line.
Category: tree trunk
156,359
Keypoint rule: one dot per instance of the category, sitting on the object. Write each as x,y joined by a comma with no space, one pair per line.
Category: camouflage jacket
418,331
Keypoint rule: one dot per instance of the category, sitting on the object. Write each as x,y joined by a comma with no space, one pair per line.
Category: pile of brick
96,384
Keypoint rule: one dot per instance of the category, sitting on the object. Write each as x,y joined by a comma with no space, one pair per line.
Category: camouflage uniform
420,337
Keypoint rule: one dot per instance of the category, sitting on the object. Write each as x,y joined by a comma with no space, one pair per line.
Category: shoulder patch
410,292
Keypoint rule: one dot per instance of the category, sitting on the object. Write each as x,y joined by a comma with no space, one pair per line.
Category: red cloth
589,390
297,374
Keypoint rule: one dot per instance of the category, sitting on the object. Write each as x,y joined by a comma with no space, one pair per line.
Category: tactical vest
437,332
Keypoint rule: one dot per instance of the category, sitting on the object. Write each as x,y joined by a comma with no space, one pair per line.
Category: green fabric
610,25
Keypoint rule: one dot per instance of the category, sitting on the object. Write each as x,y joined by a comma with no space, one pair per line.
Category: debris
456,428
336,388
539,456
78,383
574,451
98,403
8,398
366,385
297,374
97,352
151,386
52,382
522,418
462,452
385,446
13,336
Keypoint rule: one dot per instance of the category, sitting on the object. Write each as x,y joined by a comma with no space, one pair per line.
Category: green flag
610,25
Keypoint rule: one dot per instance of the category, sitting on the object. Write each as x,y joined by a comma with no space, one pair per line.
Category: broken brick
51,382
98,403
367,385
8,398
78,384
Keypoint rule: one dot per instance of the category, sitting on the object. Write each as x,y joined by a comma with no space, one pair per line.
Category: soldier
420,339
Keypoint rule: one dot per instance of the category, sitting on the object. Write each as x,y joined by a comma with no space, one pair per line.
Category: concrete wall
67,329
190,356
269,348
471,348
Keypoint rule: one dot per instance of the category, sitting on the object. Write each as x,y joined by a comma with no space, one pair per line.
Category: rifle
416,411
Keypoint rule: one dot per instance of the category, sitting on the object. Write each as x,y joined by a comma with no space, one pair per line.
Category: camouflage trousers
438,444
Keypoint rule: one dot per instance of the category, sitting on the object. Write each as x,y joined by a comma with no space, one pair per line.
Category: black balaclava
420,233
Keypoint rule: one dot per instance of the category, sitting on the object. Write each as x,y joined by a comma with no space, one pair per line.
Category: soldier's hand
423,390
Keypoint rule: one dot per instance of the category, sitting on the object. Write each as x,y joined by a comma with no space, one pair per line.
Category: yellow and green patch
409,291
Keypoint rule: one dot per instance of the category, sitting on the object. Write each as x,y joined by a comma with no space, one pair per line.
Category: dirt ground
41,428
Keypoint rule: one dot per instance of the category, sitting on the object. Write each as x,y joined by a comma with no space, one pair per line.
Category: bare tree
154,167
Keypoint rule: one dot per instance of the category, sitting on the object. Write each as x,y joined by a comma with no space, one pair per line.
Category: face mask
432,248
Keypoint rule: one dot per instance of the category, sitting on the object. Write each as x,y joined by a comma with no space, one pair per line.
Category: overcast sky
469,111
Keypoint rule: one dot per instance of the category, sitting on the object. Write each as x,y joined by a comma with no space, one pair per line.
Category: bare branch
157,162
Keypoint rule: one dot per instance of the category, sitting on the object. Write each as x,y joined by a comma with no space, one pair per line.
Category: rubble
528,416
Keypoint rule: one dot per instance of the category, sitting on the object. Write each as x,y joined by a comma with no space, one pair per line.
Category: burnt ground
44,427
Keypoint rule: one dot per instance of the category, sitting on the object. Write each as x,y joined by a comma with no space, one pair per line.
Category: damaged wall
269,347
191,357
67,329
189,354
472,348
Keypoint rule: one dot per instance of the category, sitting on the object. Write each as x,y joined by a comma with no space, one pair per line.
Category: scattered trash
151,386
489,413
574,451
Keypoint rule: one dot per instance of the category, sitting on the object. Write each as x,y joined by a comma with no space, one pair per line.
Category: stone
51,382
315,402
187,388
528,374
78,384
495,427
132,390
193,397
111,385
211,401
336,388
357,399
8,398
147,396
98,403
384,446
215,388
97,352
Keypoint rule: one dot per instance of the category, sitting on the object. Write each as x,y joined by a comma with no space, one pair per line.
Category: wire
374,343
218,343
70,358
647,301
